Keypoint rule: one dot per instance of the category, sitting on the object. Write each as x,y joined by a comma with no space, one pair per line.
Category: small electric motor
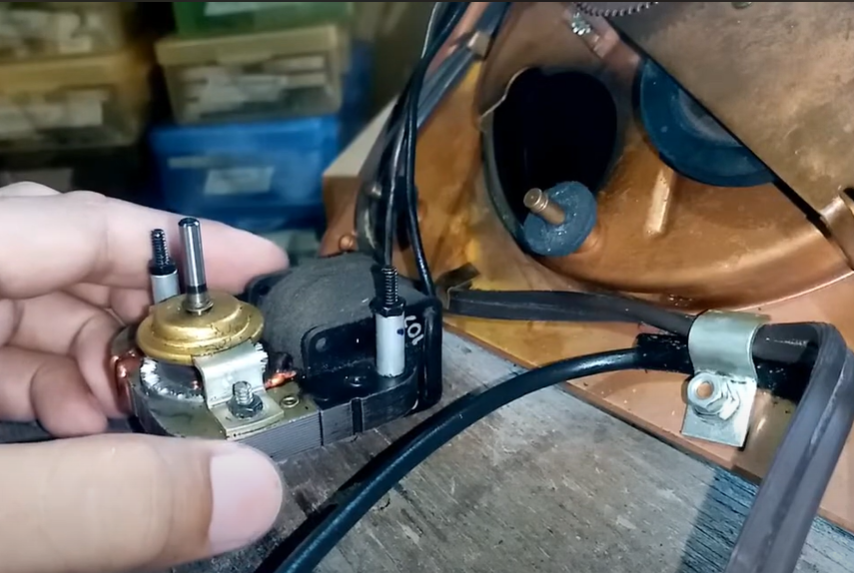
313,355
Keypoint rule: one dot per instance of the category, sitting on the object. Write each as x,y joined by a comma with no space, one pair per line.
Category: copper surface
662,236
779,76
347,243
123,365
279,379
462,228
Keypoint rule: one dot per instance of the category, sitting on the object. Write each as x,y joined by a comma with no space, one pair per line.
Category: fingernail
247,497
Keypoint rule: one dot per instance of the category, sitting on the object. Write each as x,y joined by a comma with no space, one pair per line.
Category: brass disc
173,335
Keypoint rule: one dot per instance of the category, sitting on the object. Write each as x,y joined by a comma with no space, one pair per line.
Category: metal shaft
539,204
390,321
195,283
243,393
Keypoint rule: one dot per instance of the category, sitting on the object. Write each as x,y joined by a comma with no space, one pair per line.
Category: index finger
57,241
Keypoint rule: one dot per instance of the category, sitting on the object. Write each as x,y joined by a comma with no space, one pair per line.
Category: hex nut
246,411
722,400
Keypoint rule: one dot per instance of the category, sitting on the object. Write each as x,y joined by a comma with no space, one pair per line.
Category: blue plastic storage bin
357,91
258,176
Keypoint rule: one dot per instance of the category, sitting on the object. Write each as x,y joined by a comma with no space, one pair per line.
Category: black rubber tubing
410,451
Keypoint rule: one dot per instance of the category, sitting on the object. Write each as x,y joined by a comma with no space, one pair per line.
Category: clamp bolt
244,403
712,397
391,292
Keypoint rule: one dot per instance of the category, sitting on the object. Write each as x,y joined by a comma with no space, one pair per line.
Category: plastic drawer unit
91,101
120,172
269,75
49,29
199,18
259,176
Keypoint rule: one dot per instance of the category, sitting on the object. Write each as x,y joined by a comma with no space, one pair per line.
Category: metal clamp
721,394
232,380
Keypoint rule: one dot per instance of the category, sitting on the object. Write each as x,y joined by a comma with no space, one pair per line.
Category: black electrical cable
406,454
434,25
390,222
444,20
456,14
652,353
402,170
371,216
559,306
439,28
778,343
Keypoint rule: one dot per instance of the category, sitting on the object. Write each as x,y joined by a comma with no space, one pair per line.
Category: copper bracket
778,76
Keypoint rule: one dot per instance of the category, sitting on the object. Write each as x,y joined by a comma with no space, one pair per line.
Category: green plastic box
211,18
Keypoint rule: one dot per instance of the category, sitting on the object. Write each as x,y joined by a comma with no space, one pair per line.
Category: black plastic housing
319,318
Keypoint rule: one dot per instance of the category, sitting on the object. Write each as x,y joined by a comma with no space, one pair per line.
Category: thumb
124,502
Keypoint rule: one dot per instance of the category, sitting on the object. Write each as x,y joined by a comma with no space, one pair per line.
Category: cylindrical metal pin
539,204
390,319
197,299
162,269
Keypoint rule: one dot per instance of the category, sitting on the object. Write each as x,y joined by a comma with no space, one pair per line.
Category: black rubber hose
451,17
559,306
786,344
443,21
656,353
774,533
406,454
389,178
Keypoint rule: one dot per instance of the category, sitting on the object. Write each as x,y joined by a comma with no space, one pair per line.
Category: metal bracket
220,372
721,394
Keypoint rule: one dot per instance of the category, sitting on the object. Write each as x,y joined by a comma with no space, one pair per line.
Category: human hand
73,268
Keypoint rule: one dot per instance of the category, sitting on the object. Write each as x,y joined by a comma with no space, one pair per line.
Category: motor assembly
283,370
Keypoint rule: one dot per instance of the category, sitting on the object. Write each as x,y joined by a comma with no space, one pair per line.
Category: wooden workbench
549,484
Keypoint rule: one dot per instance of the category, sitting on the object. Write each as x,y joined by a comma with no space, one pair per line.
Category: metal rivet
290,402
374,191
347,243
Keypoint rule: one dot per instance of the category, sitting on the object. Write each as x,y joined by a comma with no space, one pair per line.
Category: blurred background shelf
209,18
230,111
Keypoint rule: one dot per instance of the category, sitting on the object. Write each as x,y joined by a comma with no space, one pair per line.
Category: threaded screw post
391,287
160,250
243,394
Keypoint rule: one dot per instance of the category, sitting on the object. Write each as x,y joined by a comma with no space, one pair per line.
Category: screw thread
159,249
242,394
391,285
